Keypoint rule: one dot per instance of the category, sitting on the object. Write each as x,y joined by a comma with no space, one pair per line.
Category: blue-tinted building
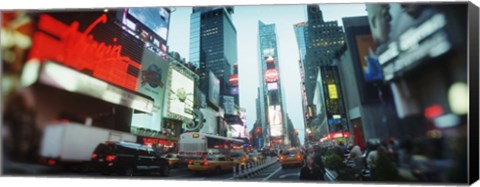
213,45
271,100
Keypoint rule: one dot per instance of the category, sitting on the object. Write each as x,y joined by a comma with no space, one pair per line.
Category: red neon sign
80,51
157,141
233,79
271,75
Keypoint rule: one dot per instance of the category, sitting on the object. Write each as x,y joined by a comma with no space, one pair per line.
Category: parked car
127,159
212,163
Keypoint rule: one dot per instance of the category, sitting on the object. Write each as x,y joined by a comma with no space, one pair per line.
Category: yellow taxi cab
241,158
173,159
255,156
212,163
291,157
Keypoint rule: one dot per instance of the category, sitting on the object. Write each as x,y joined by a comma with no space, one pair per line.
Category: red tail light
205,163
190,162
51,162
298,157
110,158
94,156
281,158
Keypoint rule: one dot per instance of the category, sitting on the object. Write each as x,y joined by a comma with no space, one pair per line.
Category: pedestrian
310,171
317,156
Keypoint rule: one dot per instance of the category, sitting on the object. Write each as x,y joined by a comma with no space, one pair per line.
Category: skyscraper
213,45
317,41
323,38
271,93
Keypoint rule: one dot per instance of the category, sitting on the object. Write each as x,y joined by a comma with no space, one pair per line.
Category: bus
194,145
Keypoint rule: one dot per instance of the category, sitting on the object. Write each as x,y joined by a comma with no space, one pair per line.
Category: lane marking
276,171
289,174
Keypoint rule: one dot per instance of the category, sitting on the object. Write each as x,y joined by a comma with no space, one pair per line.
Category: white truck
70,143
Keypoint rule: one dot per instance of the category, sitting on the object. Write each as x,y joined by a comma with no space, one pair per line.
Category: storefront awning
62,77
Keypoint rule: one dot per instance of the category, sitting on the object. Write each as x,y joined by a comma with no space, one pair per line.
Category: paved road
273,173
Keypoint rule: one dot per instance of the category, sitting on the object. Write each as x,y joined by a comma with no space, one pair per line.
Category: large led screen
156,19
275,120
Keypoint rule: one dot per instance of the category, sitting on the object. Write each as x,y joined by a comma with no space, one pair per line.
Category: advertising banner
210,125
213,89
152,82
180,98
272,86
229,105
395,28
156,19
369,62
91,43
275,120
271,75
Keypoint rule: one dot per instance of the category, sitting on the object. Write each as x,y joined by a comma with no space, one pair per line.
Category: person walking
310,171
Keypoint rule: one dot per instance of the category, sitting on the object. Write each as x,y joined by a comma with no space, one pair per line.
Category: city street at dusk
326,93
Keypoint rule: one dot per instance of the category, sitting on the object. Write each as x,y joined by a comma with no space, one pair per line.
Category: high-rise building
271,93
317,41
323,38
213,45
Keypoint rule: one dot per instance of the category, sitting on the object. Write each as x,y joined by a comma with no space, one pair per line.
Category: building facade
271,93
213,45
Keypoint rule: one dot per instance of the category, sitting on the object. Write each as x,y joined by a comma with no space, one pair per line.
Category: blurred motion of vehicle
212,163
255,156
196,145
173,160
291,157
71,144
241,158
127,159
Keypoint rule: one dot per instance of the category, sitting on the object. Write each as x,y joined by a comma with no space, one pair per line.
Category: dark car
128,158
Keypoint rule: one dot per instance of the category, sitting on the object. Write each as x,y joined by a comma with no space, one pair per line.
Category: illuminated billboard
180,97
152,82
101,51
372,71
271,75
234,91
213,89
270,59
233,79
275,120
332,91
155,19
210,125
272,86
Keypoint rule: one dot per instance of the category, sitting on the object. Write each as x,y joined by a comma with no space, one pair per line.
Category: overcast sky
245,19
